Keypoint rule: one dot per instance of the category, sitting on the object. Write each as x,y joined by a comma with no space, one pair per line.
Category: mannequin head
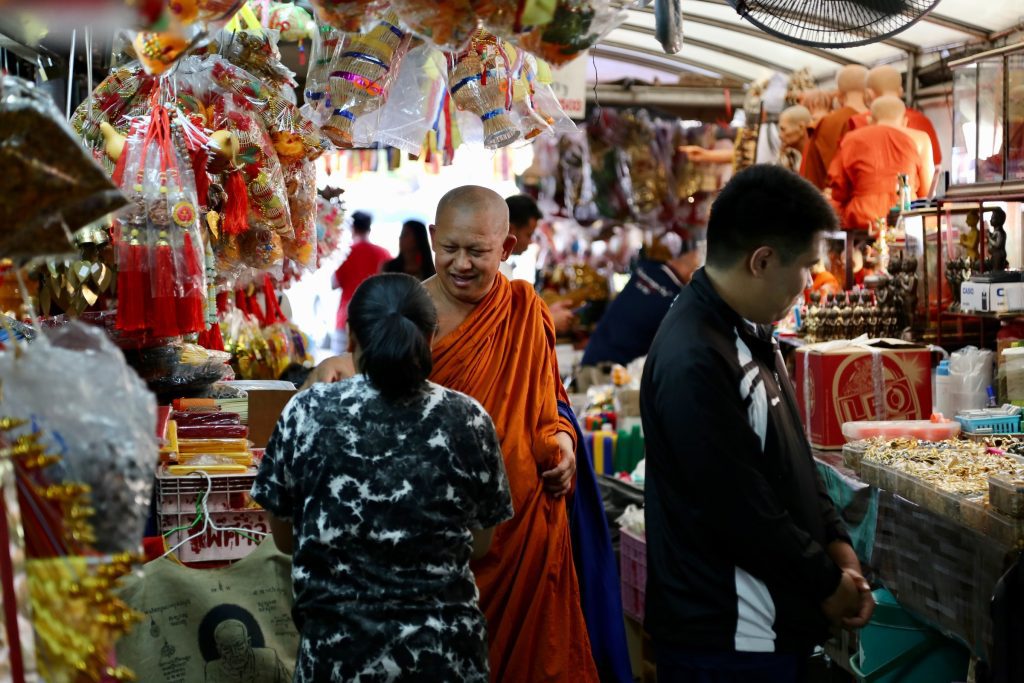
885,80
888,110
852,83
793,123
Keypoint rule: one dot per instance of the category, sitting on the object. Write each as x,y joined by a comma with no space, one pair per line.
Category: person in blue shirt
631,320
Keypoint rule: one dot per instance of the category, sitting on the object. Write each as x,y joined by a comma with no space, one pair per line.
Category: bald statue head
888,110
885,80
852,79
470,236
793,123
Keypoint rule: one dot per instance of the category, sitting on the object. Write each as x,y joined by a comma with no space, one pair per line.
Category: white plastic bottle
944,393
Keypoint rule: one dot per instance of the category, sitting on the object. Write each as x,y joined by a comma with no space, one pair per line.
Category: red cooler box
846,381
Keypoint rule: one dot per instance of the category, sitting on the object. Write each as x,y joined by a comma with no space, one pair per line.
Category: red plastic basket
633,569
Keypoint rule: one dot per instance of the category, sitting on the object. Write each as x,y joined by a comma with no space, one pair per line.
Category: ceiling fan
833,23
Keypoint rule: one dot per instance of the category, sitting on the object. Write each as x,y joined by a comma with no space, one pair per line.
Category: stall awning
719,43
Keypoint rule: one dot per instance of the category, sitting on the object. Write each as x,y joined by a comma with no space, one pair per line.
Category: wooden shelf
1010,315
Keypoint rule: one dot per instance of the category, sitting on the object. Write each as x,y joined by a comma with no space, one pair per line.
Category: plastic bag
275,112
413,105
300,181
122,96
293,22
92,409
161,262
347,15
50,186
545,102
328,44
480,81
362,76
330,220
261,167
446,25
576,26
257,53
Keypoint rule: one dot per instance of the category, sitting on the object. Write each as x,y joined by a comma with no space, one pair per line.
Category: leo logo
854,388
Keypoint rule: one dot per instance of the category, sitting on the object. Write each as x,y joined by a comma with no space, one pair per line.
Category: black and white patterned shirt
382,496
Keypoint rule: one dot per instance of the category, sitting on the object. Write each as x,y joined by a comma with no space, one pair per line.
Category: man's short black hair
521,208
361,222
766,205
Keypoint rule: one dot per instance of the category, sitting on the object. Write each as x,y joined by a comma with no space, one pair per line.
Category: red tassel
192,306
164,314
222,303
212,338
255,310
199,159
236,209
132,288
242,302
274,314
118,175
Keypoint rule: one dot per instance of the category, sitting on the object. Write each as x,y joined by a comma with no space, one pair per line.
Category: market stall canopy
718,43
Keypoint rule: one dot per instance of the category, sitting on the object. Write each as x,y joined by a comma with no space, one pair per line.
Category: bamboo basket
476,88
359,85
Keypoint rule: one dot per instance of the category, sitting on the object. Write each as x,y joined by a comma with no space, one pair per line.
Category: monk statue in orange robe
864,174
794,124
852,84
495,342
886,80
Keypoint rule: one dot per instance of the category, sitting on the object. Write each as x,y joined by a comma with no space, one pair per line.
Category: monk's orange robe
824,144
863,176
916,120
503,356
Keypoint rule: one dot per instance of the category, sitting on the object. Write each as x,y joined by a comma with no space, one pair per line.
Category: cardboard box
879,379
265,407
991,297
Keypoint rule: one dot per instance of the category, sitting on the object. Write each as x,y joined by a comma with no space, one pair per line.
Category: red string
9,600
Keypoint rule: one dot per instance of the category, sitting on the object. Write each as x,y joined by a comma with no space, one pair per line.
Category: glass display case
988,122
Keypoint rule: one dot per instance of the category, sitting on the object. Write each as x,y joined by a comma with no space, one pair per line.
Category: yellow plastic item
182,470
212,446
252,22
169,451
226,458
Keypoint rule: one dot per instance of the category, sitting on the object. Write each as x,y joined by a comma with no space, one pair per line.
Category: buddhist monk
495,342
863,176
794,124
886,80
852,84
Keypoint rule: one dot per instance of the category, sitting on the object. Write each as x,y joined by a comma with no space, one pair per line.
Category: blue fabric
628,326
857,505
675,666
596,569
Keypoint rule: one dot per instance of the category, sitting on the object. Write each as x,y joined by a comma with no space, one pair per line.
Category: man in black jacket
748,562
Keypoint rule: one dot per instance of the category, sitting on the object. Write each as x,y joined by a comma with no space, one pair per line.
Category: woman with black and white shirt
383,487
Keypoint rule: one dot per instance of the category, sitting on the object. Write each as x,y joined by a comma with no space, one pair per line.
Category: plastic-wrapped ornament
480,83
363,75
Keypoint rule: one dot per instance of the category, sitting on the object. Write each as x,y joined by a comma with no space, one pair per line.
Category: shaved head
888,109
477,200
795,114
885,80
852,78
471,238
793,123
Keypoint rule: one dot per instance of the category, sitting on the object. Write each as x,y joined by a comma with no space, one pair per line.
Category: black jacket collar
753,334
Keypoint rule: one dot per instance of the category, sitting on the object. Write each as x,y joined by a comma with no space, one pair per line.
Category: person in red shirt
364,259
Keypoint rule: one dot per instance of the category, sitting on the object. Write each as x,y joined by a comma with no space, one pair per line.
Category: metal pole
910,87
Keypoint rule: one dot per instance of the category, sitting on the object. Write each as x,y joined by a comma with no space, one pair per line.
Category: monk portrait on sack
495,342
